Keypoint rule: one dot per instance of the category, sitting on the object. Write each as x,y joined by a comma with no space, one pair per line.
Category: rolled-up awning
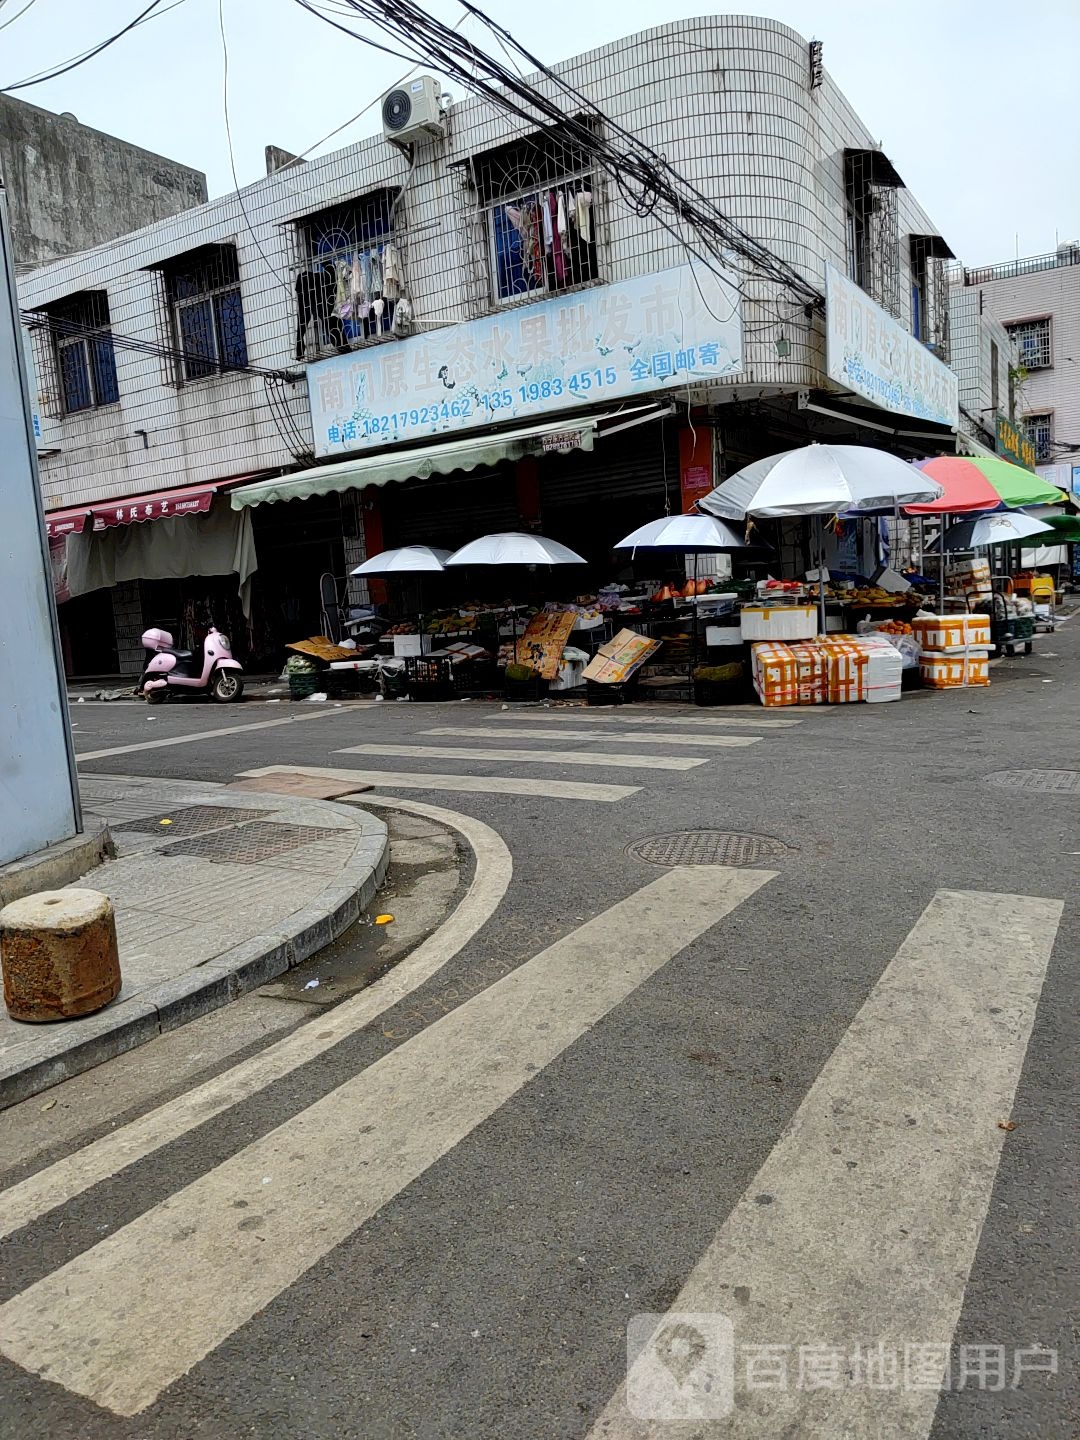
66,522
465,453
134,509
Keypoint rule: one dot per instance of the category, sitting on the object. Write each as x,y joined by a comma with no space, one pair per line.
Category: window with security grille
349,274
1039,429
80,338
1032,341
207,311
873,236
537,210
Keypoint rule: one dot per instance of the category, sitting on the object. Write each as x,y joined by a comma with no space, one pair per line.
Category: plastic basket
525,689
305,683
427,679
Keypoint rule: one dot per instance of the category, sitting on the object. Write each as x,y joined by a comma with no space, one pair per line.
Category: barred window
1039,429
349,274
537,199
80,335
207,311
1032,341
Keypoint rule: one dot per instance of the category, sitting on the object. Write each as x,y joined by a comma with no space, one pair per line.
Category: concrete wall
728,100
70,187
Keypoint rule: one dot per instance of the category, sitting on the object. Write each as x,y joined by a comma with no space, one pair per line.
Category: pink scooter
213,670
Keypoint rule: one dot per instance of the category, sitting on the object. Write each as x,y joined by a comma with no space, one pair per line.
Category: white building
182,356
1038,302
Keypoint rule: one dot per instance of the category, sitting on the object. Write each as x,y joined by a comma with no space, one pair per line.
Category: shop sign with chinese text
657,332
871,354
1013,445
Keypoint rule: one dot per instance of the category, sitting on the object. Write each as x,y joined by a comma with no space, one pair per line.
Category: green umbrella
1066,529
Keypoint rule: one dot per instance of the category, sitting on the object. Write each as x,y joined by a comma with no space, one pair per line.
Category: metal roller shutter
630,465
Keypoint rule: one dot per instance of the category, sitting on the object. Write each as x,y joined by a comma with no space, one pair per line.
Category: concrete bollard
58,953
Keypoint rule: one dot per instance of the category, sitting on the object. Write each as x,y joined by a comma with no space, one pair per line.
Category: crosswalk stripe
711,718
630,737
55,1184
861,1226
128,1317
220,732
533,757
463,784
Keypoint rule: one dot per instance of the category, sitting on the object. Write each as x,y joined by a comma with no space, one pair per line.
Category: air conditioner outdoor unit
413,110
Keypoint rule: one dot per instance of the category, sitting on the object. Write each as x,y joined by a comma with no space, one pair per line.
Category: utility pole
39,796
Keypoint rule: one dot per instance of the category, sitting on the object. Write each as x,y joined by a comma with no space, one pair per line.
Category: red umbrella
972,484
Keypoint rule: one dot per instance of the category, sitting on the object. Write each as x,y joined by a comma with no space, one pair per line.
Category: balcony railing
1011,269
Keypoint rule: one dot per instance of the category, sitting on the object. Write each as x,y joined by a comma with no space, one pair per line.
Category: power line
15,17
645,180
150,13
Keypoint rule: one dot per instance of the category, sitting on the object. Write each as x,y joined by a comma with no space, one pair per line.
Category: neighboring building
982,354
70,187
1038,301
570,372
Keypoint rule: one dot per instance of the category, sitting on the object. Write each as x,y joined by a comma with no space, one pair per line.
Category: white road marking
613,714
465,784
127,1318
82,755
58,1183
630,737
534,757
862,1224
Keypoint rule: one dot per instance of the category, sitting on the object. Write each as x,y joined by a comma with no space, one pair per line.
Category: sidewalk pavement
233,891
121,691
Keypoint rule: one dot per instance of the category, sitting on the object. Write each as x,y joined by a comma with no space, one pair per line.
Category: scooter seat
180,654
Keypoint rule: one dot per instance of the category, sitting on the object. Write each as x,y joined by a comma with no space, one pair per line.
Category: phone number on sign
466,407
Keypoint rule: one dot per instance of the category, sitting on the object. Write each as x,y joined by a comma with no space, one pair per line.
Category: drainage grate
1047,782
192,820
248,844
707,847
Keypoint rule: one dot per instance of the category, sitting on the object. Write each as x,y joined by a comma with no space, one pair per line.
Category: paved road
759,1103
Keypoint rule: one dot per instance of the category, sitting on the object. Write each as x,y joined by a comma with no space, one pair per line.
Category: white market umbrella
692,534
997,529
407,560
515,548
821,480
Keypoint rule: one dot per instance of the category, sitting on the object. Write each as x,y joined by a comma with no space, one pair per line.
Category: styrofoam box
952,632
775,675
945,672
410,644
779,622
723,635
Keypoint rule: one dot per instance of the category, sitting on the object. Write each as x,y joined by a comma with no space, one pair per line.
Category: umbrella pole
821,578
941,565
693,635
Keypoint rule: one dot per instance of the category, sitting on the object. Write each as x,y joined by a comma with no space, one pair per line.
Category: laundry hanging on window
393,274
316,296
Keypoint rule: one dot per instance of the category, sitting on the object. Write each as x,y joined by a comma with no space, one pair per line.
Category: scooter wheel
226,686
156,697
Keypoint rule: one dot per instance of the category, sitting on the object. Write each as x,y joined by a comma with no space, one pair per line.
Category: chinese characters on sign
871,354
1013,445
675,328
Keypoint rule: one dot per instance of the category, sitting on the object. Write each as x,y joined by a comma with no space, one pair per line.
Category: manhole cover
248,844
192,820
1056,782
707,847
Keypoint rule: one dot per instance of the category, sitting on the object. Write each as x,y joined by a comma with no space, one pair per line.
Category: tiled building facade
740,107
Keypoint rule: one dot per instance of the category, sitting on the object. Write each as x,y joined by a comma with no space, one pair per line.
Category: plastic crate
428,679
597,693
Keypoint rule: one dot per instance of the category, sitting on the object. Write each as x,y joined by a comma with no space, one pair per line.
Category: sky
974,101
